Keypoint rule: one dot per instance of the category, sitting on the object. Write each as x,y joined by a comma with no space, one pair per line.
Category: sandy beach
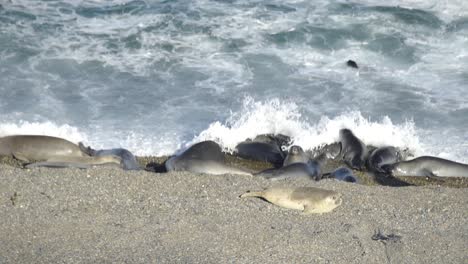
107,215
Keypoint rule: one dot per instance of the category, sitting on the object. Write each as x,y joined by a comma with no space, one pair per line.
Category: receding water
154,76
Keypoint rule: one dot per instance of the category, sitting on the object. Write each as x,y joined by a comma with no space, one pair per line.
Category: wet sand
107,215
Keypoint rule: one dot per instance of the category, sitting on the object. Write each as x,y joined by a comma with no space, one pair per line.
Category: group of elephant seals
310,200
50,152
297,164
202,157
353,150
129,161
427,166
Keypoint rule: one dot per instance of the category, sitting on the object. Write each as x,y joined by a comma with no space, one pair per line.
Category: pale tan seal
50,152
310,200
77,162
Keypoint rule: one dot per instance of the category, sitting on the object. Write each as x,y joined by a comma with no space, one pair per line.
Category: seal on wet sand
308,199
129,161
202,157
427,166
353,150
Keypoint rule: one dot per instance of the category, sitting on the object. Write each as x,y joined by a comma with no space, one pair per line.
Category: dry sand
106,215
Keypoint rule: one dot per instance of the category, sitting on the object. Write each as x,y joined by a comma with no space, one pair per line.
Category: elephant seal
295,155
50,152
129,161
309,170
266,148
38,148
382,156
342,174
77,162
427,166
352,64
353,150
297,164
202,157
308,199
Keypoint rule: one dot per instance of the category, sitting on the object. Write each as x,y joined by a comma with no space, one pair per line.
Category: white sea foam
278,117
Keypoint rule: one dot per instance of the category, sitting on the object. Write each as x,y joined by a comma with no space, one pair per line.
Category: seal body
382,156
308,199
202,157
296,155
353,150
343,174
297,164
77,162
129,161
310,170
429,167
266,148
31,147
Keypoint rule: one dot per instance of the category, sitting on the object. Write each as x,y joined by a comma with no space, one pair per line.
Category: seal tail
252,194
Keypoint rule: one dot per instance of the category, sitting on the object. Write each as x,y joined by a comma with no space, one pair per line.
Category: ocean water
155,76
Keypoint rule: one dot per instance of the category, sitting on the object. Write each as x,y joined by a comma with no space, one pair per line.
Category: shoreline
110,215
156,164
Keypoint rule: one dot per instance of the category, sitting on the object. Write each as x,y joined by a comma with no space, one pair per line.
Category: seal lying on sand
382,156
308,199
203,157
50,151
28,148
353,150
342,174
129,161
77,162
427,166
297,164
267,148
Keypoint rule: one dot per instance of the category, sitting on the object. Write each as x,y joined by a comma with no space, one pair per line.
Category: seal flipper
87,150
308,210
20,156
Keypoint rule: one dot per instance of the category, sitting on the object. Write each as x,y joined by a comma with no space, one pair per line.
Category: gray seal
202,157
129,161
428,166
297,164
310,170
353,150
342,174
308,199
266,148
296,155
382,156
